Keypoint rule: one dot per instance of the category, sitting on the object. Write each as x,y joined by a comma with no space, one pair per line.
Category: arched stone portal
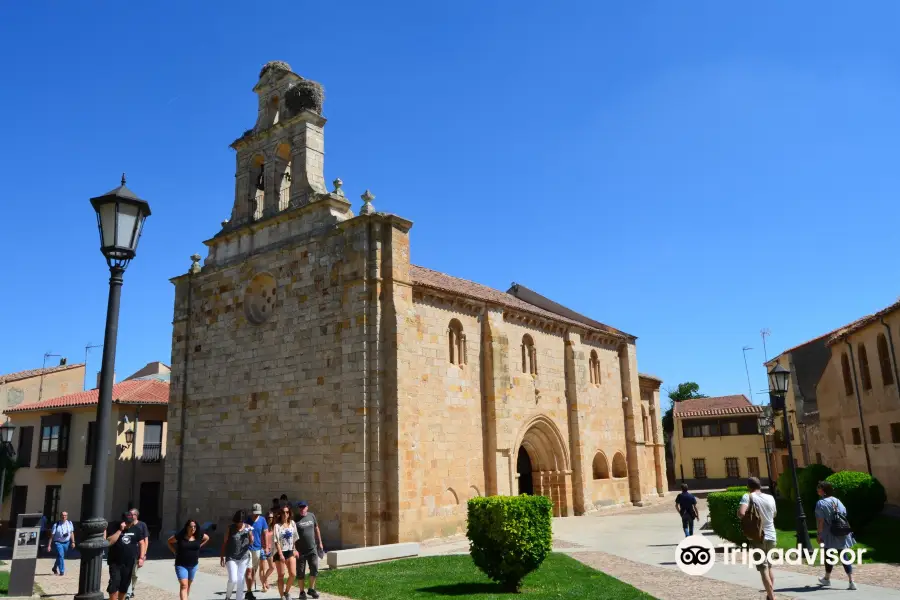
541,448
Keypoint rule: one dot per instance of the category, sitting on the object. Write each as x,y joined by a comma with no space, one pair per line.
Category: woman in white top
285,555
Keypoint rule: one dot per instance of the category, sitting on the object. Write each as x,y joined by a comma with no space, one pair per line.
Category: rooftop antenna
87,349
748,372
43,368
764,333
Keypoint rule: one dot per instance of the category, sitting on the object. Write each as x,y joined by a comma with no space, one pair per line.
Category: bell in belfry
260,183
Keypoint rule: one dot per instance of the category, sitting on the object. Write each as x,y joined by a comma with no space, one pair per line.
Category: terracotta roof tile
711,407
860,323
136,391
37,372
429,278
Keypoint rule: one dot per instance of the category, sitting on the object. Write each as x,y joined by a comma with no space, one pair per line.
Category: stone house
25,387
310,357
851,376
718,442
54,441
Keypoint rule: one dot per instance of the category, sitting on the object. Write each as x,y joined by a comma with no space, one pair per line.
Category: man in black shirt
686,505
126,552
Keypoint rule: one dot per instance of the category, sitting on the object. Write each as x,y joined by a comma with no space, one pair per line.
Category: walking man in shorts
309,546
767,511
259,525
126,553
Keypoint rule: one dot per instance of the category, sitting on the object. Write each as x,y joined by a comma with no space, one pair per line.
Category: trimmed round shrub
809,479
723,507
510,536
785,484
862,494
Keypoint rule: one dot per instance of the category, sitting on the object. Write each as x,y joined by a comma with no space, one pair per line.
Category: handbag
840,527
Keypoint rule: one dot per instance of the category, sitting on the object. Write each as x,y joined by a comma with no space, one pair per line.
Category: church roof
539,306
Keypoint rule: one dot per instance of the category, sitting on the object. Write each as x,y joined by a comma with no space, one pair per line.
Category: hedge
809,479
723,507
737,488
785,484
862,494
510,536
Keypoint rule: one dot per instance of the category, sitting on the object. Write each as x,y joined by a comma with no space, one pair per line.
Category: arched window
646,424
884,360
601,467
594,365
864,368
529,355
845,371
258,179
618,467
457,343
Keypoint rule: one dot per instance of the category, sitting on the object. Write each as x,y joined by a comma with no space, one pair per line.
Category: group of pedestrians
128,543
254,546
829,509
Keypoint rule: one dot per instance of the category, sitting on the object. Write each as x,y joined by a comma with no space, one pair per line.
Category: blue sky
688,172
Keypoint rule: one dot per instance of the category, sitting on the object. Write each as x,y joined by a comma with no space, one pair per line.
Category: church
311,358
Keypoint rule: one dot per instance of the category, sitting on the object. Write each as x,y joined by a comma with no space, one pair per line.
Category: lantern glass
6,432
778,380
120,218
129,436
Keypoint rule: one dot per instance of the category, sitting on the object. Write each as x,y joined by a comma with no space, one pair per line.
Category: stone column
576,389
631,401
495,384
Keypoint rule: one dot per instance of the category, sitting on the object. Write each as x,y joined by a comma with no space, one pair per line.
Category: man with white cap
259,525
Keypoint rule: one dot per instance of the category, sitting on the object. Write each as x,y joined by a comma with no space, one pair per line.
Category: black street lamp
764,421
120,217
778,386
6,447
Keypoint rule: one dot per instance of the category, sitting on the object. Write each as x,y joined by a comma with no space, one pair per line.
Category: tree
684,391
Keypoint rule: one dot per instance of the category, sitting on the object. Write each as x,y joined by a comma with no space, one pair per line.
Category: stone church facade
310,357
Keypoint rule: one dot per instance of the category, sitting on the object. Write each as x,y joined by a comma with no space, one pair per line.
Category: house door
523,468
149,503
17,504
51,502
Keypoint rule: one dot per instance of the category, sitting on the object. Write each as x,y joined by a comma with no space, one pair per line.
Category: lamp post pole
120,217
778,380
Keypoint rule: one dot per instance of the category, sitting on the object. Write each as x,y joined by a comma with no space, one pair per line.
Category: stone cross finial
123,178
337,187
367,208
195,264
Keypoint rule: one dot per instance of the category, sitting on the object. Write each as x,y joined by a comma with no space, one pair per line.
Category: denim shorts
186,572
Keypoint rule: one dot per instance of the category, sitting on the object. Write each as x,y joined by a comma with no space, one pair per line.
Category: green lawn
879,539
4,583
457,576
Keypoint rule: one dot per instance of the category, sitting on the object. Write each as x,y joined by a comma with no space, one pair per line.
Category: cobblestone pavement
668,584
880,574
55,586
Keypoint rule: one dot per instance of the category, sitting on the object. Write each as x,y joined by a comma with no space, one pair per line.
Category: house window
529,355
23,451
864,368
874,434
845,371
619,467
54,443
884,360
895,433
748,427
51,502
595,368
732,468
699,468
819,458
152,451
457,343
857,438
752,466
689,430
91,441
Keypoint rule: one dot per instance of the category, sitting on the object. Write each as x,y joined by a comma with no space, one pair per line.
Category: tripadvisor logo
695,555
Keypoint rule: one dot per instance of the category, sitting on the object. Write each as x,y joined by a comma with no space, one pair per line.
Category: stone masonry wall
281,406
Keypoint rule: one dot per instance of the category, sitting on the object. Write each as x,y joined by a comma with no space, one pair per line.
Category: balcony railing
151,453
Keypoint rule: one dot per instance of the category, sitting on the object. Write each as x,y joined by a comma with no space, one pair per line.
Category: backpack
751,522
839,524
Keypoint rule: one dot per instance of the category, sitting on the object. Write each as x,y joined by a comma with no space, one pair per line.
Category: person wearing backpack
833,529
757,514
